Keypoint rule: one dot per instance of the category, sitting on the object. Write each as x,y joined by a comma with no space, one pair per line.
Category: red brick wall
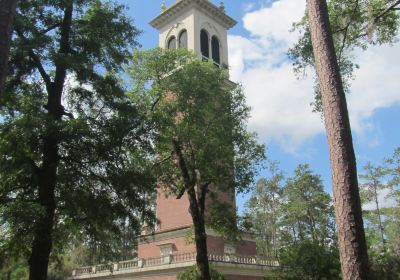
172,212
246,248
153,250
223,197
215,245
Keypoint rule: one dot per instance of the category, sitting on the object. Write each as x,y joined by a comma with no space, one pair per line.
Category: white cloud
376,85
273,23
281,103
383,200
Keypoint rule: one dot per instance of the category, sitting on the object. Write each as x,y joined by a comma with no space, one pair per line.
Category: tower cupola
197,25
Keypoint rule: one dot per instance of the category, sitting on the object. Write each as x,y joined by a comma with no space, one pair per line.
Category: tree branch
346,30
376,18
182,166
36,59
54,98
50,28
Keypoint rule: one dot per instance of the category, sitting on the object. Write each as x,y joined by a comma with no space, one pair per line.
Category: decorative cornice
182,6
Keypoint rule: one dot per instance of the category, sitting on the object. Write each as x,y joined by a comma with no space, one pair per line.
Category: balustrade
127,265
171,259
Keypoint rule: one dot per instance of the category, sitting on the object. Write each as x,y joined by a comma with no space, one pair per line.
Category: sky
281,111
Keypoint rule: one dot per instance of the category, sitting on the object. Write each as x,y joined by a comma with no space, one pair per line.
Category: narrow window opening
183,40
205,50
215,50
172,43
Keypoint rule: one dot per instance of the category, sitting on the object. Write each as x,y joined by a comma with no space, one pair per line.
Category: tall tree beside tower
203,147
352,245
66,116
7,13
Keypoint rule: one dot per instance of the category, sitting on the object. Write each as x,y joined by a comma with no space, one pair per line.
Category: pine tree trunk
7,13
352,245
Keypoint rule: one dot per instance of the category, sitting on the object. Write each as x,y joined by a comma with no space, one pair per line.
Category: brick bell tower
200,26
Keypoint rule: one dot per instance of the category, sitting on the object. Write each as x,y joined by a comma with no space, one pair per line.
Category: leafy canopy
355,24
103,172
194,103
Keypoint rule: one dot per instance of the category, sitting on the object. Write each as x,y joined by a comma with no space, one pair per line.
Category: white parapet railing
131,265
126,265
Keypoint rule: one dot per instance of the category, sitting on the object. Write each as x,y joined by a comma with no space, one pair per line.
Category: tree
262,209
382,217
306,211
202,144
297,222
394,170
310,260
73,147
356,24
369,190
351,236
7,13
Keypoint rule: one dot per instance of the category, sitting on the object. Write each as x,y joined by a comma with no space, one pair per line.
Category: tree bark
200,236
47,173
42,243
351,236
7,13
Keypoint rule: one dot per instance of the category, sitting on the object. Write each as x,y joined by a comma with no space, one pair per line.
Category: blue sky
281,112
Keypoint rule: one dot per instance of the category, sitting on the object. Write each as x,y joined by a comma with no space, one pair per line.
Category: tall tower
200,26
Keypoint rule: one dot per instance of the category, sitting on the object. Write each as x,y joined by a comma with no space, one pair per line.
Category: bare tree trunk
352,245
7,13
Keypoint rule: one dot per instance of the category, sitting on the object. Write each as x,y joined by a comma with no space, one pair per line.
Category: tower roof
181,6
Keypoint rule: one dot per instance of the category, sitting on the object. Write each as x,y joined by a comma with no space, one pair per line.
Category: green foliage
193,274
263,212
372,185
293,221
307,211
309,260
193,104
104,180
222,218
202,145
355,24
382,221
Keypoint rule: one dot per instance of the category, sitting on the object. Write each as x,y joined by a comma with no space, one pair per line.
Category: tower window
172,43
205,49
215,50
183,39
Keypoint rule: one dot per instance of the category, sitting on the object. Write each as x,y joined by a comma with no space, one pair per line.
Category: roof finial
163,6
222,6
